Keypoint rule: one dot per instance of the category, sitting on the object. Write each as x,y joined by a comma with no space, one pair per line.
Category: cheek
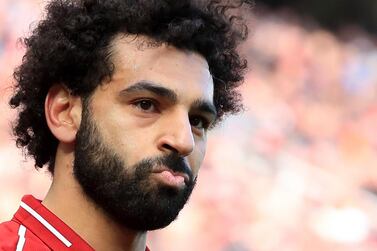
130,144
121,136
127,135
196,158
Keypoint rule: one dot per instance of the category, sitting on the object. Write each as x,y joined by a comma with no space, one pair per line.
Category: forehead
135,59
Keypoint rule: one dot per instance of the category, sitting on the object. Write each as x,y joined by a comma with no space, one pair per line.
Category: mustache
173,161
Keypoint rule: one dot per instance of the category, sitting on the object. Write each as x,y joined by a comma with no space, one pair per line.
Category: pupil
195,121
145,105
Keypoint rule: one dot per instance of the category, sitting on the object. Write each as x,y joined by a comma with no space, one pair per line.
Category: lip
163,169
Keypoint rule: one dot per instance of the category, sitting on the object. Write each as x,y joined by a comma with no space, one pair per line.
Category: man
116,98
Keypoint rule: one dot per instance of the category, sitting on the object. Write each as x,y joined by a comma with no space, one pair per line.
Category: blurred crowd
294,172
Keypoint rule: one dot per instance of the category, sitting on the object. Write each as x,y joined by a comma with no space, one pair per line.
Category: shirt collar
48,227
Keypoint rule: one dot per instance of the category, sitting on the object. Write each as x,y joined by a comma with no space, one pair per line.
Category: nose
177,137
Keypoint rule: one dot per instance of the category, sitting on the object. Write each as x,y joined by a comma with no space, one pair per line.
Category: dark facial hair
126,193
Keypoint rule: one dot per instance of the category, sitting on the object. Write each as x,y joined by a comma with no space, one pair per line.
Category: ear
63,113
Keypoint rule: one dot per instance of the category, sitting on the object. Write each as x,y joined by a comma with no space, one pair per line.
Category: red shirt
34,227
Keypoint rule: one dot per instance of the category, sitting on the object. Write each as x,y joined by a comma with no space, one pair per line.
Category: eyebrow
152,87
205,106
198,105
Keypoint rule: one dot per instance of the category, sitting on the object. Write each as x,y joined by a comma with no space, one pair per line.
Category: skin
149,108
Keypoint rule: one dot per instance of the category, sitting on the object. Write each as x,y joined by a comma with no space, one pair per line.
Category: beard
126,193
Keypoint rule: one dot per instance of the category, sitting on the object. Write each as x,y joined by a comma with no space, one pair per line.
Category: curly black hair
71,46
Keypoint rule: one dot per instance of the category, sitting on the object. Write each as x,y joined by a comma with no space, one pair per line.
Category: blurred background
296,171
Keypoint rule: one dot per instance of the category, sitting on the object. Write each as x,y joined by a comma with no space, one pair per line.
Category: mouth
171,178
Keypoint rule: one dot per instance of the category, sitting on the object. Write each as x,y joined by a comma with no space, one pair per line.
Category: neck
83,216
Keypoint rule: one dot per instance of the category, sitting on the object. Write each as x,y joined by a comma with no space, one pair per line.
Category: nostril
169,147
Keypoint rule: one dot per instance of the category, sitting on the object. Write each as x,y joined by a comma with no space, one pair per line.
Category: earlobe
63,113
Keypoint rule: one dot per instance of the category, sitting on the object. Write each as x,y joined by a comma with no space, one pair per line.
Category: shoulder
14,236
8,235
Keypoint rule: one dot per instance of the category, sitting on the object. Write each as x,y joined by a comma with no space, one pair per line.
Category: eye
145,105
199,122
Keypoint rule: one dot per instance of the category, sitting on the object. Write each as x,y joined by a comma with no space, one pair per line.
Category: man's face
142,136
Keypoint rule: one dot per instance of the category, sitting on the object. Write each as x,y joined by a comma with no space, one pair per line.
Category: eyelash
206,123
138,102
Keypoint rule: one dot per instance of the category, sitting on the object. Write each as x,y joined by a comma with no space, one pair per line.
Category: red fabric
38,236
